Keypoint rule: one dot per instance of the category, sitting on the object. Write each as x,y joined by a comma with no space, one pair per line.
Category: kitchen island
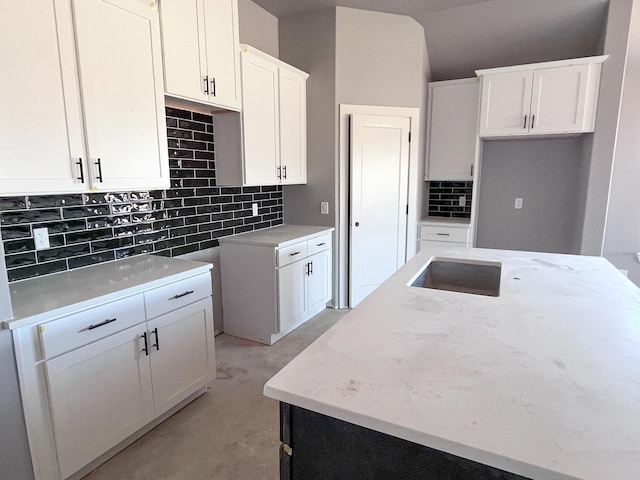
540,382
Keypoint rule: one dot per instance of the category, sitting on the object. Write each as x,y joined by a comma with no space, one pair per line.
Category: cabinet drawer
90,325
292,253
318,244
444,234
164,299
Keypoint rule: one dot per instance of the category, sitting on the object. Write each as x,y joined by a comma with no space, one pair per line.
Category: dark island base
316,447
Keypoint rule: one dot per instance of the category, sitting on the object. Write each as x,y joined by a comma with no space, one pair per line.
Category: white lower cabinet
444,235
99,395
177,370
274,280
112,369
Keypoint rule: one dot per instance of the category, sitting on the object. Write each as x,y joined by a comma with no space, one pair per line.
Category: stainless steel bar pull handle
285,171
102,324
294,254
180,295
279,174
205,79
443,234
525,121
310,268
213,86
533,120
320,244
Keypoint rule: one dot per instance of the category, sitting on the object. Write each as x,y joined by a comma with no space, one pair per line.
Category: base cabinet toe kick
93,381
316,446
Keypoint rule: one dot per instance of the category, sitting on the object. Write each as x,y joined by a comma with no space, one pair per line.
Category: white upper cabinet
556,98
452,129
200,46
121,80
261,127
41,117
267,143
293,122
506,99
83,104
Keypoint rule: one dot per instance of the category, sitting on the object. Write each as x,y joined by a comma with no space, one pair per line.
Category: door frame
416,174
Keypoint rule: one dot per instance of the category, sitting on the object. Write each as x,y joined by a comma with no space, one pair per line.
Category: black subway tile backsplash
444,197
85,229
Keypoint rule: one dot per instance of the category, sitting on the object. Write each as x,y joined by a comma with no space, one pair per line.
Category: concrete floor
229,433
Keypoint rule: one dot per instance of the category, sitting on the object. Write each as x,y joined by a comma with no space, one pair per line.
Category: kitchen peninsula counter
542,381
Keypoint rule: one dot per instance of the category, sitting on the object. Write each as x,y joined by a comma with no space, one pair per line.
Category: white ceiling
464,35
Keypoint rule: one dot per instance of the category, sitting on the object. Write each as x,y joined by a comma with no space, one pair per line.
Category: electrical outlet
254,209
462,200
41,238
518,204
324,208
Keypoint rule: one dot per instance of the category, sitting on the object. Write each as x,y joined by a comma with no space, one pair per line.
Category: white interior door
378,201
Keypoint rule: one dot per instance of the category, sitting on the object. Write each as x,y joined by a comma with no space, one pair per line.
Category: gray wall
622,235
542,172
379,59
308,41
604,138
258,27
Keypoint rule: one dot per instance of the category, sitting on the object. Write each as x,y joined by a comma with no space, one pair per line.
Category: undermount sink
459,275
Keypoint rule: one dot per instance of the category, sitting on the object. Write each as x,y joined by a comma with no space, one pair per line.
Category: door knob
357,224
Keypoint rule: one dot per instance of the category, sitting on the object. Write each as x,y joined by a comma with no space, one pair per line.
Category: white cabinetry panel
558,101
453,129
319,281
200,46
552,98
100,394
293,131
260,121
506,100
121,78
223,63
182,353
41,118
183,47
292,294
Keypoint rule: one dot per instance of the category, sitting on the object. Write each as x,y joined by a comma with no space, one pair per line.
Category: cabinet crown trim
542,65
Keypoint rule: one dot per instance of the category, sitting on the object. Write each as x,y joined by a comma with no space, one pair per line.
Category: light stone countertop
279,236
542,381
45,298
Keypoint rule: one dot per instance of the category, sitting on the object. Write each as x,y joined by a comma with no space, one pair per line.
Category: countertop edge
92,302
238,239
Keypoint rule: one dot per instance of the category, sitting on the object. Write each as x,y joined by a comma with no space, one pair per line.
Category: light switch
324,208
518,204
462,200
254,209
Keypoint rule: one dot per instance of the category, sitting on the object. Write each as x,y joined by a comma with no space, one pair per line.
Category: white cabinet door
292,294
181,349
223,62
559,99
506,101
453,130
260,120
293,127
183,47
40,118
319,281
120,63
99,395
